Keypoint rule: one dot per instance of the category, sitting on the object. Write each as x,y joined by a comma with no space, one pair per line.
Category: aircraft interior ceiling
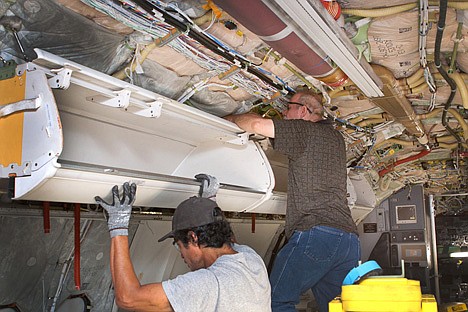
393,83
136,90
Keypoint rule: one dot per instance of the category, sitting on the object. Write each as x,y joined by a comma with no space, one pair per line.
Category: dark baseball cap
193,212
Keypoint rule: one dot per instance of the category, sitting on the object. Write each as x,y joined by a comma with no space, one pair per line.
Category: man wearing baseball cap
224,276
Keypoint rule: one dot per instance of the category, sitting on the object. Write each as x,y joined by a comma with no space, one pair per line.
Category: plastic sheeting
51,27
32,262
165,82
4,5
193,8
216,103
160,80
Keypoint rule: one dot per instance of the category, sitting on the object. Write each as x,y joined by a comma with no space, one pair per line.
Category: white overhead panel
88,131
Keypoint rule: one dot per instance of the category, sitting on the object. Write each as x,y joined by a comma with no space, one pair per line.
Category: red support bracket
77,259
253,222
46,216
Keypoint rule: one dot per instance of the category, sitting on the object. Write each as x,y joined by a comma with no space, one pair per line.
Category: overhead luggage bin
68,133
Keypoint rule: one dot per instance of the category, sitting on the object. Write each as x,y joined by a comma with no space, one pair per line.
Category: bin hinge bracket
242,139
16,170
153,110
61,79
121,99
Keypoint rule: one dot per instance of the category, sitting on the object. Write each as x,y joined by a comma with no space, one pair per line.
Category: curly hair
214,234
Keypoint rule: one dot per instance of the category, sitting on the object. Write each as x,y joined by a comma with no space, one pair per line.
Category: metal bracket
23,105
61,80
40,161
273,98
174,33
242,139
16,170
122,99
154,110
25,67
230,72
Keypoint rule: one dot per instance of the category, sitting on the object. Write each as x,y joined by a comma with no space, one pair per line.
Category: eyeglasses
176,246
297,103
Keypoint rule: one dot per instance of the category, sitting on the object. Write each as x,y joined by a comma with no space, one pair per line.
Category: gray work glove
209,186
120,209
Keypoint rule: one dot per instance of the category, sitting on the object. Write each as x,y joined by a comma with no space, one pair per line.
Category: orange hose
402,161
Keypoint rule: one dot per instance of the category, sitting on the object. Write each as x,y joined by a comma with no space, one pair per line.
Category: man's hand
209,185
120,209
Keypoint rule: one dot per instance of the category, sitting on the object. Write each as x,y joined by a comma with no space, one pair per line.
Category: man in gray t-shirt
234,282
225,276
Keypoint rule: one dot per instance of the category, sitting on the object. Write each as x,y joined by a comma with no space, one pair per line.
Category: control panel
407,236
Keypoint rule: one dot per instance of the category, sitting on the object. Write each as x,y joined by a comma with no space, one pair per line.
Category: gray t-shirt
317,175
237,282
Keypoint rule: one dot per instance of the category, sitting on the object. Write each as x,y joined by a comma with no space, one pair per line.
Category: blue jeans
316,259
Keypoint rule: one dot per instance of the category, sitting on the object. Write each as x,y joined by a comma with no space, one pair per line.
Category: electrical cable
206,41
452,84
132,16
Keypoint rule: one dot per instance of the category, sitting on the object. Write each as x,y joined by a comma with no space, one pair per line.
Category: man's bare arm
129,294
253,123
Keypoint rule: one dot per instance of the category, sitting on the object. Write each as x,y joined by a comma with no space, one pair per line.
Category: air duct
397,105
258,18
